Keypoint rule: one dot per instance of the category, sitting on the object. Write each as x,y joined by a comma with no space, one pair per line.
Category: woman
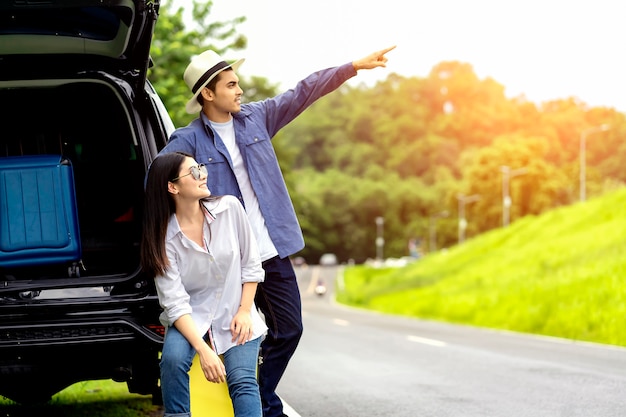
203,255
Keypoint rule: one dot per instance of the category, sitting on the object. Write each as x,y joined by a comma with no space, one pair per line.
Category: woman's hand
241,326
212,366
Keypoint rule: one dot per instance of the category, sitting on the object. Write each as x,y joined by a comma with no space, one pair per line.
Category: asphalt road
355,363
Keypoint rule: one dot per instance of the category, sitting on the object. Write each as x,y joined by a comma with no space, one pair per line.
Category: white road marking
425,341
288,410
340,322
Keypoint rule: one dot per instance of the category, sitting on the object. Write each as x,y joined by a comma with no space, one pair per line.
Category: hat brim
192,105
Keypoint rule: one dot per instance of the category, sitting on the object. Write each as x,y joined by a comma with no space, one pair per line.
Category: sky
541,49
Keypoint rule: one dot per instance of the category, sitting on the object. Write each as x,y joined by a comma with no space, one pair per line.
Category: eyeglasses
196,172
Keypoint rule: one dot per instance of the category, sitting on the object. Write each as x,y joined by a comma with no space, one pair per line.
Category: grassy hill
560,274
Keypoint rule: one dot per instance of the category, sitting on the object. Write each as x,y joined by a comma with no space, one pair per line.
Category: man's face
227,96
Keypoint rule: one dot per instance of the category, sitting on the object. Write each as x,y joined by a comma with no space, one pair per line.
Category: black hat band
215,68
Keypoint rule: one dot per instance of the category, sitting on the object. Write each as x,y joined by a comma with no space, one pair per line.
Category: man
233,140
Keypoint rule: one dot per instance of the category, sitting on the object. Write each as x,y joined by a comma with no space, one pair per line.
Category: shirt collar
211,208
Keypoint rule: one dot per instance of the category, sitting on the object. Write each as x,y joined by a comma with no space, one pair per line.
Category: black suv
80,124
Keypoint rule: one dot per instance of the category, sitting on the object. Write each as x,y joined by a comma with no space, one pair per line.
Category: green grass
92,398
560,274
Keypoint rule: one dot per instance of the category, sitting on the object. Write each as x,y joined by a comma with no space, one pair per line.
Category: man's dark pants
278,298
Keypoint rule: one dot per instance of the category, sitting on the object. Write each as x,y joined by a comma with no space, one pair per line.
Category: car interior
96,136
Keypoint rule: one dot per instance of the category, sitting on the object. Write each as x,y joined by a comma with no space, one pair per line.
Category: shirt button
256,139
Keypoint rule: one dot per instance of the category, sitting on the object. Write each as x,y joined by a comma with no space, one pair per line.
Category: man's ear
207,94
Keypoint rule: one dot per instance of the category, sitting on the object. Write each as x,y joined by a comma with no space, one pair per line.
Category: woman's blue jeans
241,366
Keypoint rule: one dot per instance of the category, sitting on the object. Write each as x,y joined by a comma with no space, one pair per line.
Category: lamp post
463,200
583,148
380,241
507,174
432,228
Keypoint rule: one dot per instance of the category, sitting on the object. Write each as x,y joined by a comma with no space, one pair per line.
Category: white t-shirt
257,221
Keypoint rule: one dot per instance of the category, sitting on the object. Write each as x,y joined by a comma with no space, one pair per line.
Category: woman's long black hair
158,208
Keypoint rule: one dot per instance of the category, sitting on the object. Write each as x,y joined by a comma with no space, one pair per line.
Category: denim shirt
255,126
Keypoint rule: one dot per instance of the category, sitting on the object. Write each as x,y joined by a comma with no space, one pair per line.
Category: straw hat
202,69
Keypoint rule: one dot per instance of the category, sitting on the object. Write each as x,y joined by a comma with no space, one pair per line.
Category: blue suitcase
38,213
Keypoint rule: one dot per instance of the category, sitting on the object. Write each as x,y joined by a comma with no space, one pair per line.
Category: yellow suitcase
207,398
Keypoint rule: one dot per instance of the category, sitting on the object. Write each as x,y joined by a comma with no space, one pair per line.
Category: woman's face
191,180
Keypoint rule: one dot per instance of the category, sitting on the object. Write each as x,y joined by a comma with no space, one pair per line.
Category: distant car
80,126
320,288
299,261
328,259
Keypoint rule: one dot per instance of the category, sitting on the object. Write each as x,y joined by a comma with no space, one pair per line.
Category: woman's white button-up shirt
206,282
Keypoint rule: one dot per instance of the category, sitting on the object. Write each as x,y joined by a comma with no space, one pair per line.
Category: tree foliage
417,143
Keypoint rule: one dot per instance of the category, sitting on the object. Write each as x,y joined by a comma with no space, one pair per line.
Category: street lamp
507,174
432,228
463,200
380,241
583,149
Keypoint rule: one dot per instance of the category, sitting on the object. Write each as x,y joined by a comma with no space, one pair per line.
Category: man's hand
377,59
